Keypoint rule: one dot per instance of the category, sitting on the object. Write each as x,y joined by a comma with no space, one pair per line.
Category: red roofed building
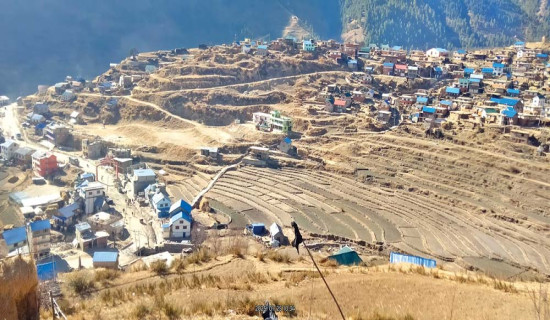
44,163
401,70
340,105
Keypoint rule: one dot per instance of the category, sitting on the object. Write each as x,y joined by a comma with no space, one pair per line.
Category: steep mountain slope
43,41
456,23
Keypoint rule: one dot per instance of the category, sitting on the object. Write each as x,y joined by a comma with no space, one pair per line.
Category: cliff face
18,289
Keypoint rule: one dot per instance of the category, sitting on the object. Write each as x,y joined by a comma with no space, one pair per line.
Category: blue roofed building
161,204
519,45
178,227
262,50
541,56
180,206
513,92
65,215
453,92
438,72
507,101
285,145
498,69
15,238
445,103
39,238
468,72
105,259
422,100
388,68
487,71
428,110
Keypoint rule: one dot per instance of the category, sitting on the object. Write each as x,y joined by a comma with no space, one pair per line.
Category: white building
4,100
94,197
537,106
437,52
8,149
178,227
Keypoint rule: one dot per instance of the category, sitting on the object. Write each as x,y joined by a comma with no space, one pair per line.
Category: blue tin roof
507,101
428,109
68,211
353,61
180,205
520,43
512,91
40,225
105,256
509,112
15,235
452,90
548,65
445,102
388,64
461,51
180,215
438,69
144,172
542,55
422,100
487,70
396,48
474,80
262,46
87,175
468,70
287,140
498,65
308,42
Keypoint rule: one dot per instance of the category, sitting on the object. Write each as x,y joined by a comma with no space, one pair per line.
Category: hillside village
371,149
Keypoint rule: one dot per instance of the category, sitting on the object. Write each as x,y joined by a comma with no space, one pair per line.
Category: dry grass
278,256
106,276
203,255
80,282
159,267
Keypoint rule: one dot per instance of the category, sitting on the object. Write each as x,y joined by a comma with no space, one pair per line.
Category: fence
403,258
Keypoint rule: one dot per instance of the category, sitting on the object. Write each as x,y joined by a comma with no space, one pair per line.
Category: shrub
179,265
105,275
159,267
278,257
326,262
171,312
141,311
80,282
200,256
260,255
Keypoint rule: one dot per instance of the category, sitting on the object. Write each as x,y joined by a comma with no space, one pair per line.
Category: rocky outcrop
18,289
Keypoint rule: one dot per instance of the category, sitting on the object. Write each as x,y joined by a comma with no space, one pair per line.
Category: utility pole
53,306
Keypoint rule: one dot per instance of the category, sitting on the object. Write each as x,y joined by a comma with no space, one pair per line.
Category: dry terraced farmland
431,198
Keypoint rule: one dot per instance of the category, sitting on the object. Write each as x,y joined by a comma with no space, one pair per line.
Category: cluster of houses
43,163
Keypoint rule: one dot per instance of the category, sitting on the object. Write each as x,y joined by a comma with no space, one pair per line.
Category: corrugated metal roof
40,225
15,235
105,256
469,70
422,99
428,109
180,204
388,65
452,90
144,172
498,65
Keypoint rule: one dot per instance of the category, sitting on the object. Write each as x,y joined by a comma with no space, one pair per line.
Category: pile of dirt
19,289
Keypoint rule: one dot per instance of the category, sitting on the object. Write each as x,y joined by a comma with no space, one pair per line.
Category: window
90,193
98,191
181,221
177,227
184,227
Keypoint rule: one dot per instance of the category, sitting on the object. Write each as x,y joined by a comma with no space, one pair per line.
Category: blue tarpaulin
404,258
46,271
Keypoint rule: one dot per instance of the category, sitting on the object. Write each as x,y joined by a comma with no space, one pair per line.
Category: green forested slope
448,23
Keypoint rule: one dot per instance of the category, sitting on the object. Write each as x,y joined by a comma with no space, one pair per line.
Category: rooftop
105,256
40,225
15,235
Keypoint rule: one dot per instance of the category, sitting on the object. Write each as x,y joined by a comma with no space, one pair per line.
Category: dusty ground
11,179
228,286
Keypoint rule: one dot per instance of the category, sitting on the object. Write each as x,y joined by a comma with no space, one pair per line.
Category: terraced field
444,200
187,189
